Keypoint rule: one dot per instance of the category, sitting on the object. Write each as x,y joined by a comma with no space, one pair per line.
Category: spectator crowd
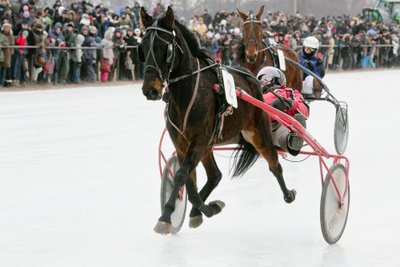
82,42
346,42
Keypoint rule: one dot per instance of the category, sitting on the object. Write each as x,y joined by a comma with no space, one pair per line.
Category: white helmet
311,42
273,76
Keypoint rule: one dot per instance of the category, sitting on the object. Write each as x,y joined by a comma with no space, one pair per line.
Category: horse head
252,34
157,51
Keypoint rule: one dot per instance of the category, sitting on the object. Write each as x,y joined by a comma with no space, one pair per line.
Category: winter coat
8,52
108,45
3,42
76,55
314,64
89,56
58,40
299,105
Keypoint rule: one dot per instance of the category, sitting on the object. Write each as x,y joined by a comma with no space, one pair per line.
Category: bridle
251,20
152,33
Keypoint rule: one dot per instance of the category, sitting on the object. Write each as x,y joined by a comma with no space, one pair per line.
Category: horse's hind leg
262,141
214,176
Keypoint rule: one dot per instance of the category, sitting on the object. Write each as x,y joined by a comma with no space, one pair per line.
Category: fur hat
6,25
85,20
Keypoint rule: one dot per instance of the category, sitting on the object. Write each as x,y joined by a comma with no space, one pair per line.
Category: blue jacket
312,63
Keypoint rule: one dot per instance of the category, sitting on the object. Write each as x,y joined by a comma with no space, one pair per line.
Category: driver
290,101
309,60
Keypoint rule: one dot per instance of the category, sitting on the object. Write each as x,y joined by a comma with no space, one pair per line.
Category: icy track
79,185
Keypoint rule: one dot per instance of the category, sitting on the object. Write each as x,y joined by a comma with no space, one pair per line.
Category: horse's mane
192,41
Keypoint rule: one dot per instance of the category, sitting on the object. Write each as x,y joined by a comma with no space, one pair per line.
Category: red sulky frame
330,233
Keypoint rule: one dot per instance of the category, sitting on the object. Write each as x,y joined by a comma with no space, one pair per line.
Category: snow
79,185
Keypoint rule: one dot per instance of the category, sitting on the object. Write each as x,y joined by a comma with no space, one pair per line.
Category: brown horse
172,57
254,53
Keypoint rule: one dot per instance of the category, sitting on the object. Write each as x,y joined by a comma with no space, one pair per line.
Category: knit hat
25,33
92,28
58,25
84,28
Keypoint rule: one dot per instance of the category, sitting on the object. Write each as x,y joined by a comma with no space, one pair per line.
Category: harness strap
181,132
196,88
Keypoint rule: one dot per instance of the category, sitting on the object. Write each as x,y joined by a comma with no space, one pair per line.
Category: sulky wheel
333,215
341,130
167,185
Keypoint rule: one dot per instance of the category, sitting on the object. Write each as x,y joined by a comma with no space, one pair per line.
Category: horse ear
145,18
260,12
241,14
169,18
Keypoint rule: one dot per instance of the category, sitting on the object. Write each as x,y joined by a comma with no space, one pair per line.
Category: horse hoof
291,196
163,228
217,205
195,221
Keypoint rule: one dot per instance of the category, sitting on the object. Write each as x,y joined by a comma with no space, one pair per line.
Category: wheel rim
333,215
341,131
167,185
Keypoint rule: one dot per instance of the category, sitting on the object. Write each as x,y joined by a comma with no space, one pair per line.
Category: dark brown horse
254,53
172,57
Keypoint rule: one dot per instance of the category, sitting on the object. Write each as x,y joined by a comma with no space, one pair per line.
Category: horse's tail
245,156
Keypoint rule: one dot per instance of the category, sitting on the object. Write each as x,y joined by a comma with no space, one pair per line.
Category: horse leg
213,178
188,165
262,141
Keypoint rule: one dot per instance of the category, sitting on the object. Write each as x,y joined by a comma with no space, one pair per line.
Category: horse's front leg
163,225
214,176
190,162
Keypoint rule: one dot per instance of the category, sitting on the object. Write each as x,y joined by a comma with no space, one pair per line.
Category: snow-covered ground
79,185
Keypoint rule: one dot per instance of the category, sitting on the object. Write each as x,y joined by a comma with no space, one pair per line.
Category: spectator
89,56
48,19
139,66
108,51
93,33
70,42
346,51
136,9
225,42
6,77
57,41
211,44
206,17
3,42
76,59
120,54
125,20
20,63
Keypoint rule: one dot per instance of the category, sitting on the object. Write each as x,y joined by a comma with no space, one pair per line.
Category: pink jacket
297,98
